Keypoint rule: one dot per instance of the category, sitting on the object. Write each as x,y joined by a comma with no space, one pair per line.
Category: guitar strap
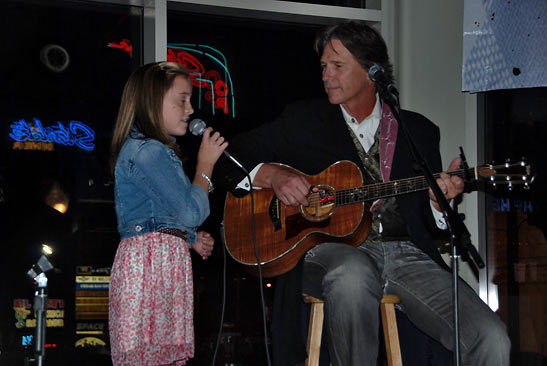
377,162
388,139
387,136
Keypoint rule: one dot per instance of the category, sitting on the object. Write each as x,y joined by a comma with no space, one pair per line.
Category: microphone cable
197,127
259,265
223,301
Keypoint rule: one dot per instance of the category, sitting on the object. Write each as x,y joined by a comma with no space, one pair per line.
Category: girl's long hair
142,105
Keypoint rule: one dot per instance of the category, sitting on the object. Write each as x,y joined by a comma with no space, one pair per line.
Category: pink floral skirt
151,302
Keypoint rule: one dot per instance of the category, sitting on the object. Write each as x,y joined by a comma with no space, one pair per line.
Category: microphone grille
374,71
197,126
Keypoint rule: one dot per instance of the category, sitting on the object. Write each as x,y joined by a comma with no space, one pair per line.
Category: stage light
268,285
42,266
46,249
57,198
61,207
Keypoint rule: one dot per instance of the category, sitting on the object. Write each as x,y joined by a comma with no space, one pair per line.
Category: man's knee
357,278
493,345
494,337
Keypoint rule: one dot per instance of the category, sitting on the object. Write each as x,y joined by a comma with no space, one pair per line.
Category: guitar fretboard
372,192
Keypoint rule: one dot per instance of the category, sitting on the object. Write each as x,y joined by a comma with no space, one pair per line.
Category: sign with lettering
75,134
24,313
504,205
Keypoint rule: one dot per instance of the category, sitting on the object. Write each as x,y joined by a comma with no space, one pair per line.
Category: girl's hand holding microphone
212,146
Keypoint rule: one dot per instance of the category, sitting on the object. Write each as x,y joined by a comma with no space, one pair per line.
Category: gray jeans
352,281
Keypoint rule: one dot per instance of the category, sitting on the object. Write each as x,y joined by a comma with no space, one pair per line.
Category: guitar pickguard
295,224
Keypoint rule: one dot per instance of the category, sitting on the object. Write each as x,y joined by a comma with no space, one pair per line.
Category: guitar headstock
508,174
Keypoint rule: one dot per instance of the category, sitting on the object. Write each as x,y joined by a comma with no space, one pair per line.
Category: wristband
204,176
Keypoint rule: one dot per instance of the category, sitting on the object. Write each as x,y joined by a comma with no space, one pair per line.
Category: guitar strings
406,185
381,190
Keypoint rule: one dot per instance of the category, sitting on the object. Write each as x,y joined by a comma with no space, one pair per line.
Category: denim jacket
152,191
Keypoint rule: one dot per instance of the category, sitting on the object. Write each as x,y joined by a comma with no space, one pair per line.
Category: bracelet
204,176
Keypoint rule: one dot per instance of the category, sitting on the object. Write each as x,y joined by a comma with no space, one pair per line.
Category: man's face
345,81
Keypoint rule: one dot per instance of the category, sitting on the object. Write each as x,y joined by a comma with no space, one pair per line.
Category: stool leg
314,334
391,335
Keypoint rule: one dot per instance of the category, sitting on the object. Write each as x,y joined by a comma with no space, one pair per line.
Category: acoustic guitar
338,212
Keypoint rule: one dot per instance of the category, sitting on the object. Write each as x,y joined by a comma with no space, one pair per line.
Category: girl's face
177,107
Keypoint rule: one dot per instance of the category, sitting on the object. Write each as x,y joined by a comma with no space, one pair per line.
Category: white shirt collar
376,114
365,129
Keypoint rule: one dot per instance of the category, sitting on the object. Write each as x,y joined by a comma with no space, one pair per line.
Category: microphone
197,127
376,73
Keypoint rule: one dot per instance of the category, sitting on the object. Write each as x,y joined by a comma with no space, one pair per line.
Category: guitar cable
262,301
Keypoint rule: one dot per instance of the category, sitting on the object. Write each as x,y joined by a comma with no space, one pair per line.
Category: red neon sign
211,80
124,45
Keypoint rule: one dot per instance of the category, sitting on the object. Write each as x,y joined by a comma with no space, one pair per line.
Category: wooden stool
389,322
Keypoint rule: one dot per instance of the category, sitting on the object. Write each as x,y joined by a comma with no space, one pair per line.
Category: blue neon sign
26,340
76,133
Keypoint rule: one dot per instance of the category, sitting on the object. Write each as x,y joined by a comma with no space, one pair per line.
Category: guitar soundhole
322,204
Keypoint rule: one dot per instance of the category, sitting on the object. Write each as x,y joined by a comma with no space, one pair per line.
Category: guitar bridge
275,213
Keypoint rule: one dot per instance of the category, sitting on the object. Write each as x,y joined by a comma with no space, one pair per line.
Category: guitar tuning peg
510,186
526,186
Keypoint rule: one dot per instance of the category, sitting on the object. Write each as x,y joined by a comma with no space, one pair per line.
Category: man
399,256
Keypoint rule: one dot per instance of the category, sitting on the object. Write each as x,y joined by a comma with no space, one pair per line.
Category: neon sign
76,133
504,205
216,83
124,45
31,145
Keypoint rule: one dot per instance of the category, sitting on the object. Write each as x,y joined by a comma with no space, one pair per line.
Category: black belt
396,238
175,232
381,239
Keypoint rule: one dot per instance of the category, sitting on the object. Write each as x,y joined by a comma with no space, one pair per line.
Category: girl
151,292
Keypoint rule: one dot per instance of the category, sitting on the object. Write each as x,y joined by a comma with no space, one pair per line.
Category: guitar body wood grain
301,228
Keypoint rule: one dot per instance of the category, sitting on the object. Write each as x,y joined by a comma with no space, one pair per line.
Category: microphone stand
40,311
460,239
38,273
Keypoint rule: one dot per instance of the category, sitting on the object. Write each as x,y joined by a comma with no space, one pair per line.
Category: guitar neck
372,192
